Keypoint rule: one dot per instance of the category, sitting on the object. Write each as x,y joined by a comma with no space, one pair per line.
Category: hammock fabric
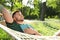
22,36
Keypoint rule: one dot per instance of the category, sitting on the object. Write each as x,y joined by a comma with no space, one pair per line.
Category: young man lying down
16,21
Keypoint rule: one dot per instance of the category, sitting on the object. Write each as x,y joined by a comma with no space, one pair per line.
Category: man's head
17,16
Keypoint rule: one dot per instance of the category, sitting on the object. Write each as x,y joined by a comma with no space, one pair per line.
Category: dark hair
15,13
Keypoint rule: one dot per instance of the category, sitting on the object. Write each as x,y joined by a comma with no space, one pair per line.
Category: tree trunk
43,11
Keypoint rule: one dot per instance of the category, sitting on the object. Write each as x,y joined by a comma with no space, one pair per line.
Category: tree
58,8
12,4
43,11
53,8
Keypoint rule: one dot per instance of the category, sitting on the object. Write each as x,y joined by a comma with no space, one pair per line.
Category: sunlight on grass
4,35
47,28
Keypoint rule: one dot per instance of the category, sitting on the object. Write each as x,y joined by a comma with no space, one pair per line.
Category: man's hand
30,31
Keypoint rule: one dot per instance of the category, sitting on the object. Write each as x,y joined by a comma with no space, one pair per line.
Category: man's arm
30,31
8,18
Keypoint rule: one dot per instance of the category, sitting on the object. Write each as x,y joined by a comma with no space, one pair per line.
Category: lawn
46,28
4,35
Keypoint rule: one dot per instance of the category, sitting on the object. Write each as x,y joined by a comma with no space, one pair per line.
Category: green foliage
4,35
30,13
50,12
53,7
51,3
37,7
17,5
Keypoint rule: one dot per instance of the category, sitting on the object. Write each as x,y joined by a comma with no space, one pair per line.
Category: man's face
18,16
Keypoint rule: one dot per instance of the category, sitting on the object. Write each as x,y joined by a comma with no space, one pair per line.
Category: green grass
4,35
46,28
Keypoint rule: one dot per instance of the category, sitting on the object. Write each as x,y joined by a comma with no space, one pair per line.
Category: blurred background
44,15
35,9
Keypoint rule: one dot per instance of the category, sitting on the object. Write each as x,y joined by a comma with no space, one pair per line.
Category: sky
43,0
25,3
31,6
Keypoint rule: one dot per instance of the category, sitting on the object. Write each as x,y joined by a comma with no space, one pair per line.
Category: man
16,21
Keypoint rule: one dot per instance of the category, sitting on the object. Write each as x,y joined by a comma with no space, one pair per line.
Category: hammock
22,36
